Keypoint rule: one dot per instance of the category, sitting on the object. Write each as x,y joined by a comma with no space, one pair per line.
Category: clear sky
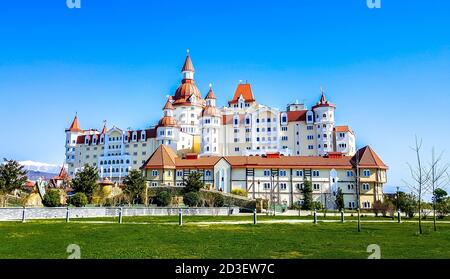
388,69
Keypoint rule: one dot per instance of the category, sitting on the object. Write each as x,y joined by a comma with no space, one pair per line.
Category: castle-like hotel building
244,129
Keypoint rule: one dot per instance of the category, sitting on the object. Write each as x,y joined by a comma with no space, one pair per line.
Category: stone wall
7,214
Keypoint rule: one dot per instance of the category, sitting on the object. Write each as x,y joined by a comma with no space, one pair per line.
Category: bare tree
439,178
420,177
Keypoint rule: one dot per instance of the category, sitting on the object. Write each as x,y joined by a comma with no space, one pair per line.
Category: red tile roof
210,94
368,159
75,126
188,66
297,115
323,102
245,90
162,158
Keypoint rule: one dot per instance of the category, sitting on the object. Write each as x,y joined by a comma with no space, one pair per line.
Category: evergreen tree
193,182
85,181
12,176
308,203
135,185
340,199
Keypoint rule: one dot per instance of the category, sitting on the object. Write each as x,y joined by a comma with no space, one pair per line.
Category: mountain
31,166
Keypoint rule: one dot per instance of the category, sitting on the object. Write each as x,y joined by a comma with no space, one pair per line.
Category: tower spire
75,126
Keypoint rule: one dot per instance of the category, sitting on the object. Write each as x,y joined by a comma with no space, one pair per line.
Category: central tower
187,101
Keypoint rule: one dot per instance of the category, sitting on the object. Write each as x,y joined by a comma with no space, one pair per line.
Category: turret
324,121
210,126
72,134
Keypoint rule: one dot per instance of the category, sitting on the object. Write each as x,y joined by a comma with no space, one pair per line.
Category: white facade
193,124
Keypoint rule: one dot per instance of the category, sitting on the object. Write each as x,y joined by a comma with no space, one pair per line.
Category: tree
407,203
340,199
135,185
191,199
420,177
85,181
439,195
52,198
163,198
437,179
193,182
78,200
12,176
377,207
443,208
308,202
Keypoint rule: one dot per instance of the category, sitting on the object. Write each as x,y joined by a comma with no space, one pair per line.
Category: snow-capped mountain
40,167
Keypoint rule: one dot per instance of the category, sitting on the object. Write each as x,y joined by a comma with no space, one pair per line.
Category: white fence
18,213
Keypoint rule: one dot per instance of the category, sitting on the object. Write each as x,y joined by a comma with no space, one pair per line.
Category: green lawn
49,239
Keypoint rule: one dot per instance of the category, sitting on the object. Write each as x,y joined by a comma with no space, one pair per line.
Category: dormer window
95,140
102,139
134,136
143,136
86,141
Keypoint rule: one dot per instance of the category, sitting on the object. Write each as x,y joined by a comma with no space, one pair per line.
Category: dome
185,90
211,111
167,121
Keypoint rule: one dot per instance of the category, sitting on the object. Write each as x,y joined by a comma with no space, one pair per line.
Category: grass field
49,239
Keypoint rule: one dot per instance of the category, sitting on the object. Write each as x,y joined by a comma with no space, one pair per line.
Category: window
366,173
299,186
366,187
299,173
350,173
207,173
283,186
179,173
154,172
316,173
282,173
284,138
310,137
284,129
351,186
266,172
154,184
316,187
366,204
266,186
310,147
236,149
351,204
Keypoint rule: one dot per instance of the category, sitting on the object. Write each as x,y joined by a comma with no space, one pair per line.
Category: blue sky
388,69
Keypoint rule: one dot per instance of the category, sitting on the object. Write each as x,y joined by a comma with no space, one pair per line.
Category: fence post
315,216
255,221
67,215
23,215
120,215
342,216
180,219
399,216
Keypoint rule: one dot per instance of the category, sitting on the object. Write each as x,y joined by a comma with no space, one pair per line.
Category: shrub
239,192
191,199
163,198
51,198
219,201
79,200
